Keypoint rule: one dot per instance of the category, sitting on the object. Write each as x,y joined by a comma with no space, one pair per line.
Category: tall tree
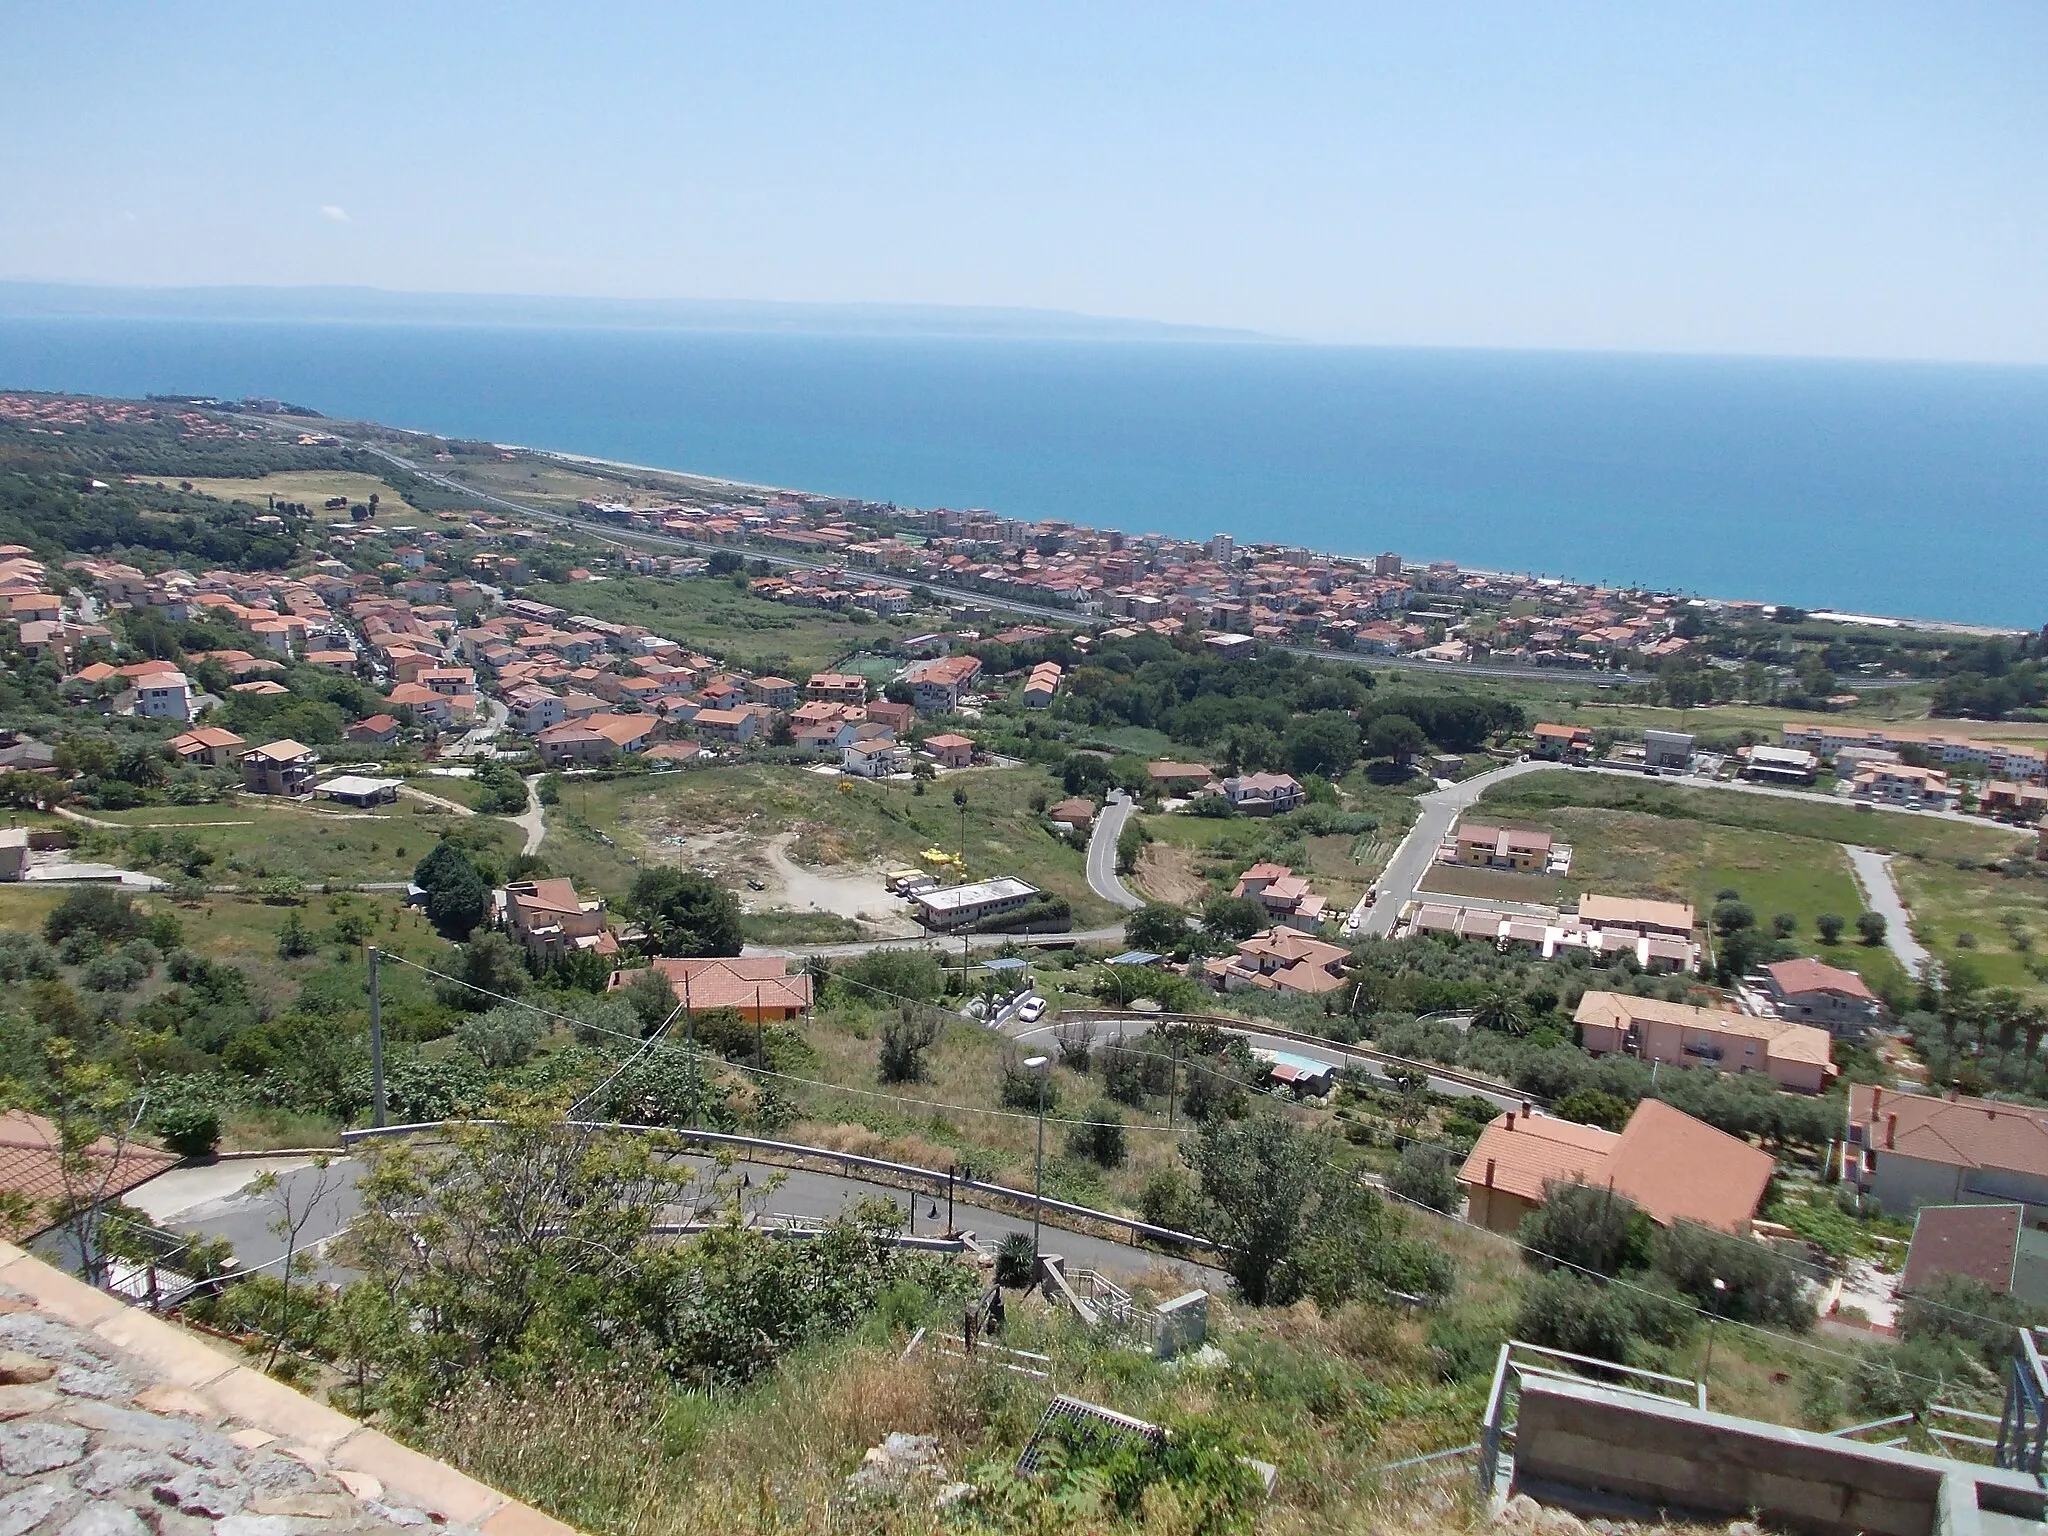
686,914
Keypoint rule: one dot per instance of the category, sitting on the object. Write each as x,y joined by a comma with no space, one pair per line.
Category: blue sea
1918,490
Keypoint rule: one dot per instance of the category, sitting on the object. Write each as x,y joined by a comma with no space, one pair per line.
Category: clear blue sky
1852,179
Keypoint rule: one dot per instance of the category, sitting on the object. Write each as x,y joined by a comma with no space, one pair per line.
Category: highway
1102,875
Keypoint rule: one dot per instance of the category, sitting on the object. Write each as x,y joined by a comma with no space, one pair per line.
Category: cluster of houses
1657,935
1933,770
586,691
1260,594
550,919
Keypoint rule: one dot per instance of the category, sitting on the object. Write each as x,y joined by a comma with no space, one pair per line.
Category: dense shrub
1099,1136
1609,1322
1758,1284
1427,1175
1588,1227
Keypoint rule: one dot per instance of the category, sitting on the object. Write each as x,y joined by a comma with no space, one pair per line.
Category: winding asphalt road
1439,811
1109,826
216,1201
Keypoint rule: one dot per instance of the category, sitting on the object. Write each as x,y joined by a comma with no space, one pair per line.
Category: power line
737,1066
645,1044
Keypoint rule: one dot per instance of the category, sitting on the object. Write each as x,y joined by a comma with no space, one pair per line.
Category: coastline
1825,615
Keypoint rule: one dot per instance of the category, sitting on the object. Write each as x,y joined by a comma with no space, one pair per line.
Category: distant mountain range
23,300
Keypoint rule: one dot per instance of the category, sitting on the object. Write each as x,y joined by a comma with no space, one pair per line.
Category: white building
164,696
956,906
875,759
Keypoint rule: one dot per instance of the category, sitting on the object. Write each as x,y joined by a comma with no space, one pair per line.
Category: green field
252,839
1995,925
724,816
1802,816
710,614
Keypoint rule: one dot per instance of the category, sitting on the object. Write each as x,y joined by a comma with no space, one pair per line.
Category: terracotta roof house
1281,960
738,726
837,687
1795,1056
1263,794
950,750
550,919
1672,917
1284,894
1992,1244
1907,1150
1814,992
31,1165
378,730
1177,778
208,744
573,743
760,989
1503,847
1673,1167
1077,813
895,716
1563,741
1519,1156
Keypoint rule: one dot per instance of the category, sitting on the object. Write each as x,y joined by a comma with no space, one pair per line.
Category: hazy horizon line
270,303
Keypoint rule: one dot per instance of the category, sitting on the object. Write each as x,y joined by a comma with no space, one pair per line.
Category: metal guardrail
940,1179
1466,1080
1504,1398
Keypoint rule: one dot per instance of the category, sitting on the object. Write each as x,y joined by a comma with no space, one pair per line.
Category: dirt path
1874,874
137,826
447,805
858,894
533,821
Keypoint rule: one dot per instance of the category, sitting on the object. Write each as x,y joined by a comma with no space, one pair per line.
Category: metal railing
1856,1432
2023,1425
1519,1361
1960,1431
934,1181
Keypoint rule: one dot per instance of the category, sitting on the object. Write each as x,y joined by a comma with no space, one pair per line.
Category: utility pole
690,1035
1172,1078
376,1045
1042,1066
760,1035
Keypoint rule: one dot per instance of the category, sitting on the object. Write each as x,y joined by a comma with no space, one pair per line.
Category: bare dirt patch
855,893
1167,872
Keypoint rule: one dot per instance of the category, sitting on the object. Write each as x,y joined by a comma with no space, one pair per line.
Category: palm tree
2033,1020
2001,1013
1502,1009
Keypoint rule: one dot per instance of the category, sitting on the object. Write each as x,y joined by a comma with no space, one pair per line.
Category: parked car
1032,1011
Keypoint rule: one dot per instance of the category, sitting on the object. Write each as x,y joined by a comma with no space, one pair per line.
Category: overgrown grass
710,614
1827,820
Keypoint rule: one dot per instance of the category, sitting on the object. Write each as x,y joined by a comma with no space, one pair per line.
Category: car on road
1031,1010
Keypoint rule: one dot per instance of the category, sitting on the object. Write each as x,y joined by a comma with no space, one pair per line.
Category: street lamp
1713,1321
1038,1064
